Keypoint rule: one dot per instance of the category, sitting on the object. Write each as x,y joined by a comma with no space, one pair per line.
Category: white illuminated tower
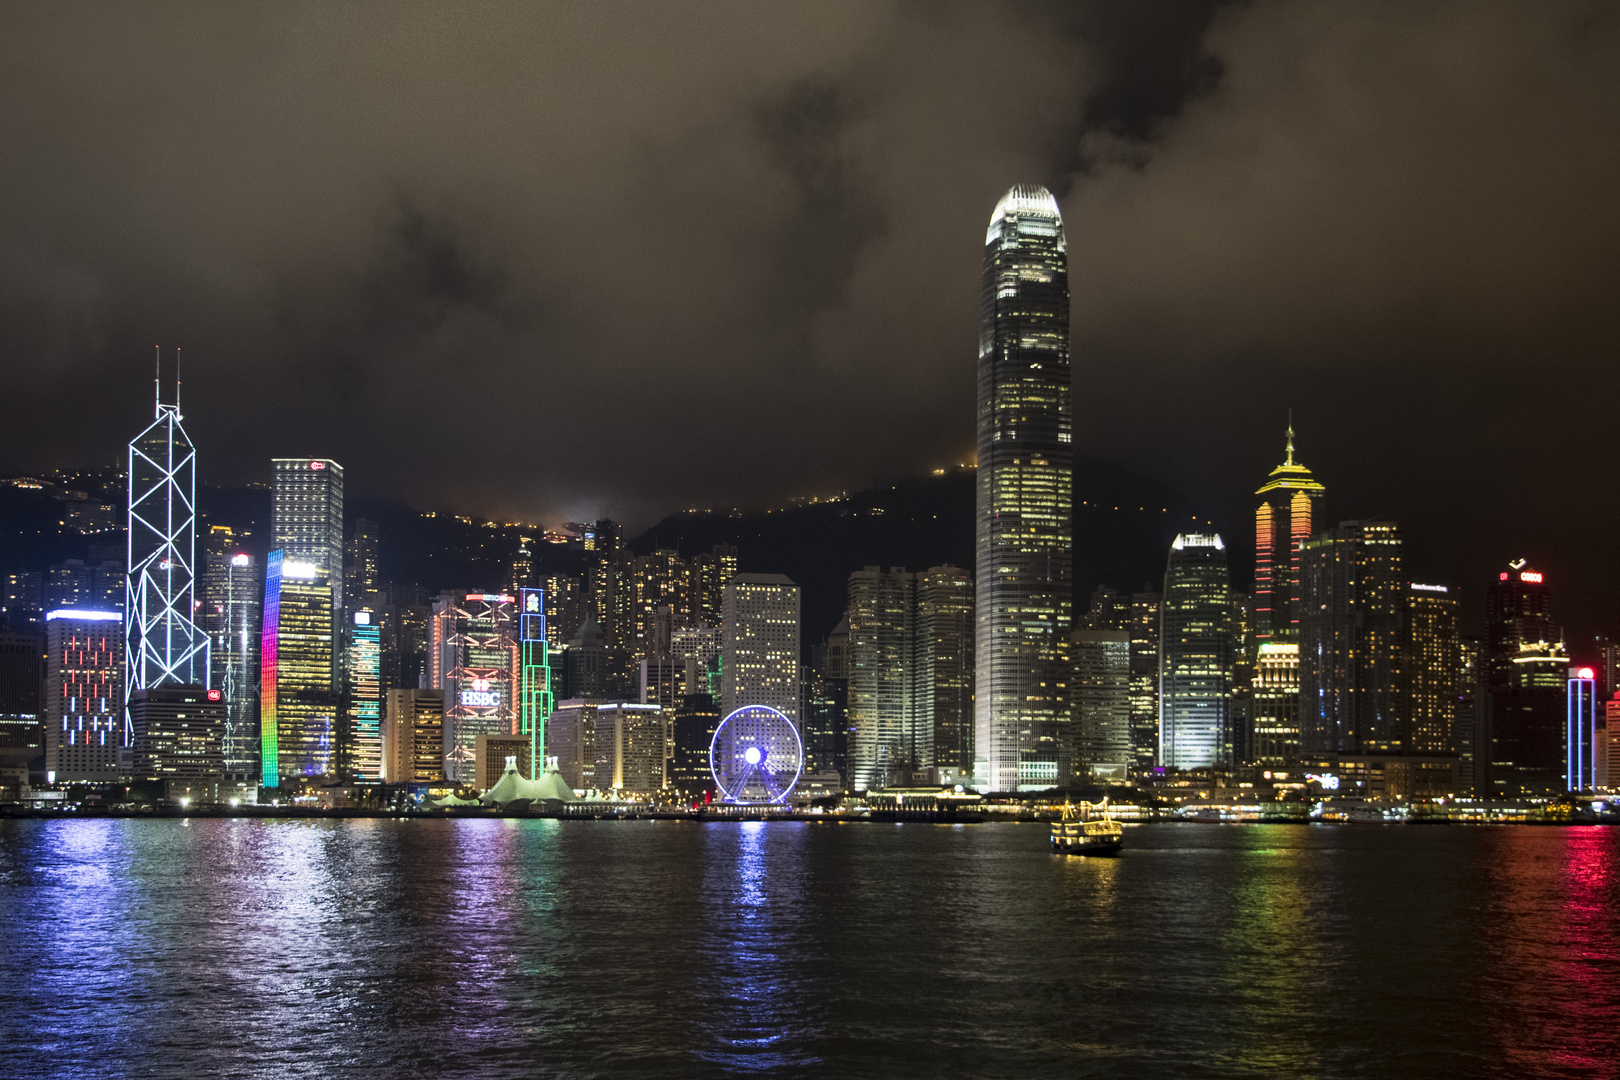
1025,527
163,646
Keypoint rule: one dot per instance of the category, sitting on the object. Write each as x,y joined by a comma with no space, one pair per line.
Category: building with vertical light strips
363,739
883,731
230,614
1284,519
1024,516
84,694
298,708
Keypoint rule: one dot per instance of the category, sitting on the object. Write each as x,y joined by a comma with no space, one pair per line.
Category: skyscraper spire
1290,437
1025,529
163,646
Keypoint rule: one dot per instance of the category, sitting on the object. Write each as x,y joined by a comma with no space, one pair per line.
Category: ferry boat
1087,829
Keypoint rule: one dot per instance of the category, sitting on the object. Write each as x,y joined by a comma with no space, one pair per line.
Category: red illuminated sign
317,464
1504,575
1532,576
213,695
1585,673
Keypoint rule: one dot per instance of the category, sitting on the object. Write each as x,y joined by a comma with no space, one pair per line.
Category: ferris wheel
756,756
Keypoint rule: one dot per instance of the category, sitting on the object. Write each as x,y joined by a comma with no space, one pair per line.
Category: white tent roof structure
514,787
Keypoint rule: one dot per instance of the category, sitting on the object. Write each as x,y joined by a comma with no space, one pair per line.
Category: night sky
551,261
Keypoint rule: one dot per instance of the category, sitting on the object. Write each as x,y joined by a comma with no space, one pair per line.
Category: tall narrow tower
1025,534
1288,502
163,646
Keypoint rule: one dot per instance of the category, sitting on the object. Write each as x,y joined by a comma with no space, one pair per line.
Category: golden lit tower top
1283,519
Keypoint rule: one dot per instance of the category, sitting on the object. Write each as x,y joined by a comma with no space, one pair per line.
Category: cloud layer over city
550,260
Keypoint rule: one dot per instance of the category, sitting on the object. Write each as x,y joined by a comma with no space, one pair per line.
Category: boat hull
1085,846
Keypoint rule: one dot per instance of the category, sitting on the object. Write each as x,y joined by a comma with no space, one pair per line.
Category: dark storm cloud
559,259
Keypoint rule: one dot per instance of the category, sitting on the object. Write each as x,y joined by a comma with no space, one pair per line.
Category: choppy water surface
514,948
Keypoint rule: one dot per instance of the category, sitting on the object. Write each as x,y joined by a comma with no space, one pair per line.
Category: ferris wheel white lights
756,756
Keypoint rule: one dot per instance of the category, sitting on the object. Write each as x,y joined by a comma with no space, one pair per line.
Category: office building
1522,717
360,574
1146,612
660,582
565,608
1524,724
629,747
362,741
571,739
713,571
1283,520
1101,710
298,701
96,583
307,517
884,735
826,706
22,730
1431,654
536,693
760,644
1024,543
943,682
84,695
695,721
176,735
413,737
162,643
1518,612
1581,732
1195,654
1274,738
22,604
1351,641
230,612
475,659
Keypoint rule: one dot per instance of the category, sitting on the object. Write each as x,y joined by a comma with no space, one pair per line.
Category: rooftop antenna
157,381
177,388
1290,435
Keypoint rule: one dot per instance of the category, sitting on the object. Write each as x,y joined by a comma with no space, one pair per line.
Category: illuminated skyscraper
230,614
1350,641
1195,654
298,708
474,658
363,739
307,516
1025,528
760,644
1145,613
1275,728
413,736
883,733
943,685
84,695
713,570
1523,715
1430,658
1101,685
1518,611
536,695
163,646
1288,502
1581,732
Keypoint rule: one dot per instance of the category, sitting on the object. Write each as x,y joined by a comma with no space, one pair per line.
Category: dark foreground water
511,948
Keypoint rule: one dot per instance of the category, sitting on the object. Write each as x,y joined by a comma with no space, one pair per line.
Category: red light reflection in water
1560,905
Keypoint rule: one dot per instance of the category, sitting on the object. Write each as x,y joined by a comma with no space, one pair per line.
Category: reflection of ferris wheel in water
756,756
